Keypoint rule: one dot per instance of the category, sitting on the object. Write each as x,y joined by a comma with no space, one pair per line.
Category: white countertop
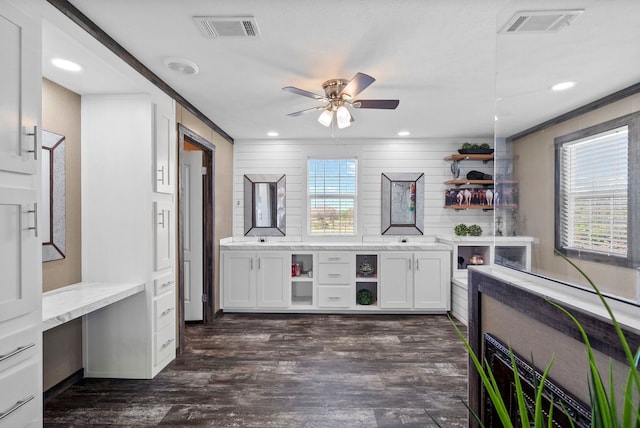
73,301
627,313
333,246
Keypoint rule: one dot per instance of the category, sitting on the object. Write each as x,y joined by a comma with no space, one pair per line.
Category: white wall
272,156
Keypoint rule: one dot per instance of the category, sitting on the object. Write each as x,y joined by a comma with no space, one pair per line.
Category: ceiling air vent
540,21
227,26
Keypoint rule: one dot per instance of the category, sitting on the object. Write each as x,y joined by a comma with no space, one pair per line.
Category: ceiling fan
338,95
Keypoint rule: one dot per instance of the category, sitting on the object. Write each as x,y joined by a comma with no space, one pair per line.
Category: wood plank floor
288,371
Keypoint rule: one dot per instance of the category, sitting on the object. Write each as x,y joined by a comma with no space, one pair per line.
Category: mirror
53,196
402,203
599,51
264,205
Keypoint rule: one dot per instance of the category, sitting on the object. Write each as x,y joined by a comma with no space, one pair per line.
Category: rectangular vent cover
540,21
227,26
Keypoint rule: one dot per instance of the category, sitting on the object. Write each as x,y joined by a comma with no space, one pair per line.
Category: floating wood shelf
484,158
460,182
481,207
470,207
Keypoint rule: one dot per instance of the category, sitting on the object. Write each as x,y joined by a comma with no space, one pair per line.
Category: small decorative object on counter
365,267
474,230
461,230
475,149
476,259
364,297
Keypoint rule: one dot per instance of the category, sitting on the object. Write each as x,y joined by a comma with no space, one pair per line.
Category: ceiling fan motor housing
332,88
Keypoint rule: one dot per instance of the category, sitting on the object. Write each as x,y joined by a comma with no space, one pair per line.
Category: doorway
196,188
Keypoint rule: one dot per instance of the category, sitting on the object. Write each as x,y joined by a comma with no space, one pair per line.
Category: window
332,187
595,188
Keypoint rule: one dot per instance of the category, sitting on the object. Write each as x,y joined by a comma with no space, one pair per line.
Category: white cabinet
255,280
417,280
396,276
336,275
164,233
164,154
431,280
312,278
239,280
511,251
20,246
128,234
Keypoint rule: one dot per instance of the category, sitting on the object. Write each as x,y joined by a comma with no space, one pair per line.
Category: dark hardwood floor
289,371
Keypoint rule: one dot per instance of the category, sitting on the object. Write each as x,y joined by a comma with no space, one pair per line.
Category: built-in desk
73,301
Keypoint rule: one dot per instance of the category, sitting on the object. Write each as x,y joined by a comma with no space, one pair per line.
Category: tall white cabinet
128,229
20,246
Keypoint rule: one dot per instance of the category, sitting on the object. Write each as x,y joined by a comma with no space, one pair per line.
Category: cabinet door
431,280
396,280
272,279
20,87
19,252
163,149
163,217
238,280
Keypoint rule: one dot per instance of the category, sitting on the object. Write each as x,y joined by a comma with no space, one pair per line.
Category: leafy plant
604,411
461,229
474,230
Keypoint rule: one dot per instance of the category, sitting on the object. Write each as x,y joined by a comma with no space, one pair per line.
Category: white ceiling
443,60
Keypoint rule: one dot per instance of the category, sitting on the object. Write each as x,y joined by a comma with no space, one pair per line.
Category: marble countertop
488,238
73,301
333,246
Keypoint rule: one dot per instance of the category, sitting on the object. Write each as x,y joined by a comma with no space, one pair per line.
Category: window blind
594,193
332,195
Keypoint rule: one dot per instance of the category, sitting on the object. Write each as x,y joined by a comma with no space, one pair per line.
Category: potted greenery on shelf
604,408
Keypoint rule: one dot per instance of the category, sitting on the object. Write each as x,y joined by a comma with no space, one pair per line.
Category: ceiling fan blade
385,104
357,84
302,92
308,110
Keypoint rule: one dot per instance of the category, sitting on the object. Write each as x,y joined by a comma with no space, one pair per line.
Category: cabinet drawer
19,396
18,346
163,284
164,311
335,258
334,297
339,273
164,345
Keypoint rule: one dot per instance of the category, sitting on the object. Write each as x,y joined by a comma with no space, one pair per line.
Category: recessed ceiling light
65,64
272,134
562,86
181,65
403,133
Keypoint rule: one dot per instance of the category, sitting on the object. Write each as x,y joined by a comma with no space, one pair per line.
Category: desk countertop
73,301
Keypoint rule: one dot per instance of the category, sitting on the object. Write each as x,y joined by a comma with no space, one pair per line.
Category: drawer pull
335,275
16,407
16,351
166,284
165,344
334,259
165,313
333,298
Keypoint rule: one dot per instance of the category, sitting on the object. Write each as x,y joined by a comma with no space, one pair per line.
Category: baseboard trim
62,386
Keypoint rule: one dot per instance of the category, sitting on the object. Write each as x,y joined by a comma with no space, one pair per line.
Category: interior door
193,235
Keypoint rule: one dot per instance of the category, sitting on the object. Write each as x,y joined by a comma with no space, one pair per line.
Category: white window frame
566,200
354,197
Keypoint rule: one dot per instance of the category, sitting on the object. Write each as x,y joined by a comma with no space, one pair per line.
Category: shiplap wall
289,157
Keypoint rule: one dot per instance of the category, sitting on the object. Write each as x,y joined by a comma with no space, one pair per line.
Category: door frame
208,207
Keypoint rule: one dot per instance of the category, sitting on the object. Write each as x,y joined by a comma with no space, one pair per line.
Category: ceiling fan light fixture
343,117
326,117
